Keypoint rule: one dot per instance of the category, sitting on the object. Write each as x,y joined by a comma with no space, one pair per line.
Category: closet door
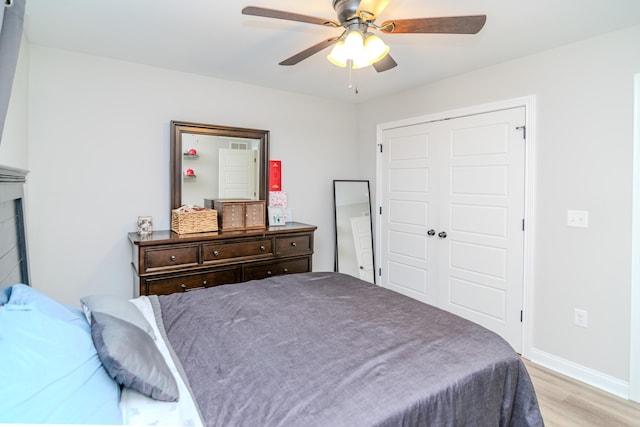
409,208
452,212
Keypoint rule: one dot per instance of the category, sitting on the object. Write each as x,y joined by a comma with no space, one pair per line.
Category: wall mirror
353,228
217,162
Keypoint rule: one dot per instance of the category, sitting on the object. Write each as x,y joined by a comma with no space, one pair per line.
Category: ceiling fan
357,17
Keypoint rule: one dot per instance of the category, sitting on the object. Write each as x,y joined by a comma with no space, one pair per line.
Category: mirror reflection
353,228
219,167
217,162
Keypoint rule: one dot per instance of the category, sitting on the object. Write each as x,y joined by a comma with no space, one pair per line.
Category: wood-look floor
565,402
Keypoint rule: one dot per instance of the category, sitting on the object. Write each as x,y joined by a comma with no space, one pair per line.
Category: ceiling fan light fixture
357,17
362,50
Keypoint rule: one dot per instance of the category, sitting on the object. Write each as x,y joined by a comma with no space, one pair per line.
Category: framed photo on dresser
276,216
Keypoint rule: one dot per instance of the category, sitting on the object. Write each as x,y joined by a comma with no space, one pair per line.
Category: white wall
13,144
584,95
99,157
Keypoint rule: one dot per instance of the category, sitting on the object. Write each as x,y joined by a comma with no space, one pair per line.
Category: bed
310,349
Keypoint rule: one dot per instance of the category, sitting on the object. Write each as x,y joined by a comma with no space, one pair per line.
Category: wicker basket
194,222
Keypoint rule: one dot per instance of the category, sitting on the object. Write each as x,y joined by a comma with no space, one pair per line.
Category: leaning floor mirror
353,228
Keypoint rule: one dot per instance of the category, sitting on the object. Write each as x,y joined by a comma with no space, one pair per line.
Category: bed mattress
326,349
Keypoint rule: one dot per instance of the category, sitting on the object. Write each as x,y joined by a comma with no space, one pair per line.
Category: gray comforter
325,349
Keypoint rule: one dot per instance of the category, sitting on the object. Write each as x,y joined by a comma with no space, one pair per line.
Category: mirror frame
178,128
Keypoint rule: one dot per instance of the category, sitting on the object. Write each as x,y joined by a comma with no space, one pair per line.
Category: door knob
442,235
431,232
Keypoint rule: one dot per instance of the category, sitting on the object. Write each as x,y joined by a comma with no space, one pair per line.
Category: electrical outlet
580,317
578,219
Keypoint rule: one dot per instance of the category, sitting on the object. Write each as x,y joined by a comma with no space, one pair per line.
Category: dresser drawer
184,283
166,262
212,252
170,258
298,265
292,245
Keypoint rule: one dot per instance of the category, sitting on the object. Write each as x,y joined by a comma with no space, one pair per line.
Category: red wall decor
275,175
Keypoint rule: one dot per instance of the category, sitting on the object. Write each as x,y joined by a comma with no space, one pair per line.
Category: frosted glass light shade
338,55
375,49
354,43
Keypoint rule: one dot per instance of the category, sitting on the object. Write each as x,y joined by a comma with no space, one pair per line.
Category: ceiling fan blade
384,64
452,25
300,56
289,16
371,9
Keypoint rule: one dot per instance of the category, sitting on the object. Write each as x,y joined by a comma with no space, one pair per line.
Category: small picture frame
276,216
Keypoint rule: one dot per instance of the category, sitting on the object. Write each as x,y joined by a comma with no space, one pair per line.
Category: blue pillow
23,295
51,372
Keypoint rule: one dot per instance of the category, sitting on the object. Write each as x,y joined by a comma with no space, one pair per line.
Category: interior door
237,174
472,238
409,194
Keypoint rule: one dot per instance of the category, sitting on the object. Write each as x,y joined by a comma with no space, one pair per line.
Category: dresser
165,262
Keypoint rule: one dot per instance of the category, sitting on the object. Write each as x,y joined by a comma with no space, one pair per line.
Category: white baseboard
581,373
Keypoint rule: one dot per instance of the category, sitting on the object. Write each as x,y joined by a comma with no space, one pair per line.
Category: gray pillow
131,357
116,307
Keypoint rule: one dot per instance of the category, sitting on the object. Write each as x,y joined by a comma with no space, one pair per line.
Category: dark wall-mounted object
14,267
12,21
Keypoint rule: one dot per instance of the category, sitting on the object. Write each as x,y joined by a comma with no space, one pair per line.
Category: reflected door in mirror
353,229
223,168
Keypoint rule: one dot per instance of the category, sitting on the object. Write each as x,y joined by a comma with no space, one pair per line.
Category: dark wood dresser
166,262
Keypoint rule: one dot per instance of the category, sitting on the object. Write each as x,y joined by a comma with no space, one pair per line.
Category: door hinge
380,272
380,210
380,145
524,131
523,224
521,315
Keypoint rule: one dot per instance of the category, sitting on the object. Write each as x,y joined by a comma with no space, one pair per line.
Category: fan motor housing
346,9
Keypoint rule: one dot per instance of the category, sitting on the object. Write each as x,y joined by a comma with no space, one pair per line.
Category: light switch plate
578,218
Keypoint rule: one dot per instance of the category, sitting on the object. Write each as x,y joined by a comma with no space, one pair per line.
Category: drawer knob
204,283
216,253
286,270
184,287
173,258
262,248
269,273
293,243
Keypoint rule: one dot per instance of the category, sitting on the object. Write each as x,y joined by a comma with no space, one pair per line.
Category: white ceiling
212,37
